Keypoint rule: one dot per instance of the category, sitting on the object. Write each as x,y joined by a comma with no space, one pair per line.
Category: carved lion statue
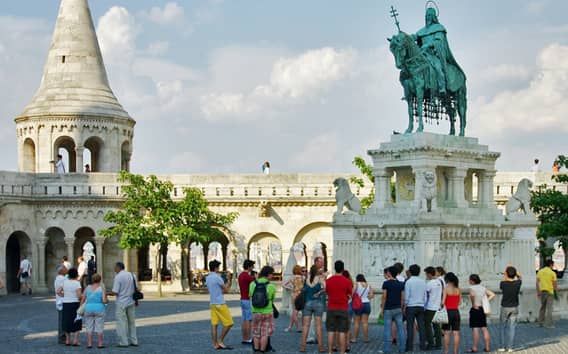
427,195
344,196
521,199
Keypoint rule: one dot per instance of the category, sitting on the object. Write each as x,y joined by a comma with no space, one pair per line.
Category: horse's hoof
408,131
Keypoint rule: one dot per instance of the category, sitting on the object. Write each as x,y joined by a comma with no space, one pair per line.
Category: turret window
63,59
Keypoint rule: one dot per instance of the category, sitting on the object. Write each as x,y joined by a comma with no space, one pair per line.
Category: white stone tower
74,112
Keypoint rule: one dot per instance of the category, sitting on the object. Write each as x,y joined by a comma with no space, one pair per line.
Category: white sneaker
510,350
501,350
286,329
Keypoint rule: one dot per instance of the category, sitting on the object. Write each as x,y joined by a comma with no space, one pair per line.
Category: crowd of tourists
414,305
81,300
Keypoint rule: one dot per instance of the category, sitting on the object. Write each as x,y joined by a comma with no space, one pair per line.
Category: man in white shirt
59,165
123,288
536,167
434,292
58,285
82,270
25,275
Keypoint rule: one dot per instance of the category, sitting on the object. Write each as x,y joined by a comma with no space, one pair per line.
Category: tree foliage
149,215
367,172
551,206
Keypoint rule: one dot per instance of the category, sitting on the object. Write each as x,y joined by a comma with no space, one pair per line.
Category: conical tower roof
74,80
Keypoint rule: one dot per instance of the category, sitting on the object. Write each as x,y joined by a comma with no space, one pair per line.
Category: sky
220,86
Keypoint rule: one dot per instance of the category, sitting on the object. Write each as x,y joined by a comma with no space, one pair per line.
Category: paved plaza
180,324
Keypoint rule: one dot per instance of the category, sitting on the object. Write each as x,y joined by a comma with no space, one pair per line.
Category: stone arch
318,239
55,249
92,154
18,245
84,235
66,147
266,249
125,155
29,155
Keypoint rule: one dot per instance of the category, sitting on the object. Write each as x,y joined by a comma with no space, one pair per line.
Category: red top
338,289
452,302
244,281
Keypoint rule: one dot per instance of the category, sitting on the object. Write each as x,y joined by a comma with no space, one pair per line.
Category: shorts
337,321
221,313
454,321
365,310
246,310
313,307
27,280
477,318
262,325
94,322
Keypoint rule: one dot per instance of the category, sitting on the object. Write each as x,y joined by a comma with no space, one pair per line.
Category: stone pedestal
437,218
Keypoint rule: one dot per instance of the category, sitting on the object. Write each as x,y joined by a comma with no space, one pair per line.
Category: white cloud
172,13
319,152
506,72
161,70
542,106
117,32
186,161
158,48
292,80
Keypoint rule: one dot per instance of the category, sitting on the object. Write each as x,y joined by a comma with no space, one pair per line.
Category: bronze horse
418,79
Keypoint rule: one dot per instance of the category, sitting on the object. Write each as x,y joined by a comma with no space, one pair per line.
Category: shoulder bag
137,295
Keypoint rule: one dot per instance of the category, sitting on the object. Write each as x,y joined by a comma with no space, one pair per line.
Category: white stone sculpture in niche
344,197
521,199
427,195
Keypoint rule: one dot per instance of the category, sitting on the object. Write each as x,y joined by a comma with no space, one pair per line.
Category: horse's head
399,48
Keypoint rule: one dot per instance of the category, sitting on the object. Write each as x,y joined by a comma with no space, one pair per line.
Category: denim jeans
508,322
396,316
415,313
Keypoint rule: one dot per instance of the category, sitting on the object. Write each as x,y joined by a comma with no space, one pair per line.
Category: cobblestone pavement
180,324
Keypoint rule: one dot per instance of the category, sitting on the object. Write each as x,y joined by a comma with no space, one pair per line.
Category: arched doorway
92,154
29,156
266,249
55,249
144,270
316,237
18,246
125,155
65,146
85,243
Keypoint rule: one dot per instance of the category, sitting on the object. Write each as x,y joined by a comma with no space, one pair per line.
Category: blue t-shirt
215,286
394,289
94,301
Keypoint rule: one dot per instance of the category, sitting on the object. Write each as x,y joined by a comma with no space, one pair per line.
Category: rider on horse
434,44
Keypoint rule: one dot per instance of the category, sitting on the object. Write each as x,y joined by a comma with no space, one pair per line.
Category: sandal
471,351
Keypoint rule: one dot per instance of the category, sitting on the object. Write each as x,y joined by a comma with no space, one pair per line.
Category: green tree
366,170
149,216
551,206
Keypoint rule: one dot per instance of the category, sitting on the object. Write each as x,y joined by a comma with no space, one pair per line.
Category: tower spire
74,78
74,110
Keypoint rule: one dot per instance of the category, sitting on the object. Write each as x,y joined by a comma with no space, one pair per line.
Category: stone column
35,264
286,274
99,242
382,188
79,159
42,285
487,197
70,242
457,183
126,258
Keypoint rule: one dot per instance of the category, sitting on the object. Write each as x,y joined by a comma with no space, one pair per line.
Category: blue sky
220,86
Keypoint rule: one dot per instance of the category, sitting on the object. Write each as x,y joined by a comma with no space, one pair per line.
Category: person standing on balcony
59,165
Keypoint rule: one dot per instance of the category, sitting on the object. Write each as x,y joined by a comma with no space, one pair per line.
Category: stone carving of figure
427,196
88,250
433,42
344,196
521,199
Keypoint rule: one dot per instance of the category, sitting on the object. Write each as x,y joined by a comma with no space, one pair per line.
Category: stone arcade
284,219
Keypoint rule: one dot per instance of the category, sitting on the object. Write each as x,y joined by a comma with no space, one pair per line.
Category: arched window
65,146
29,155
92,154
125,156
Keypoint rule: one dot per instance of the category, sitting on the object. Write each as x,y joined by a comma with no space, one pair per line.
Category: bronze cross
394,14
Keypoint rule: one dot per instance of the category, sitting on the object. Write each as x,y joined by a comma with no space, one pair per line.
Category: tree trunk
159,271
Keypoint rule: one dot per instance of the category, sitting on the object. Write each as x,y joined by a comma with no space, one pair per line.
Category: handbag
441,317
81,309
137,295
275,312
485,304
300,301
357,300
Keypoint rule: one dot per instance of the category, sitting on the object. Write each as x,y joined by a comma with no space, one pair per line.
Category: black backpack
259,297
